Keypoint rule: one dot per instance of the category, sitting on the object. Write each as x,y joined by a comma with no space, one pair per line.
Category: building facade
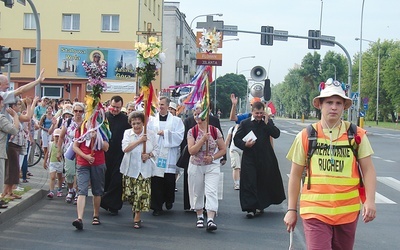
179,43
74,31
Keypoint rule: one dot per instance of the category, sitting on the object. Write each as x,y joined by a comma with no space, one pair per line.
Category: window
110,22
145,2
154,7
53,92
158,12
150,5
29,55
29,21
70,22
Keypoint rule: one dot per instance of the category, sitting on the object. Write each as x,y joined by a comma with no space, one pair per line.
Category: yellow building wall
132,17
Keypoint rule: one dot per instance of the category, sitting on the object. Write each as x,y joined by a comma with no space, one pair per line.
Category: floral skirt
137,192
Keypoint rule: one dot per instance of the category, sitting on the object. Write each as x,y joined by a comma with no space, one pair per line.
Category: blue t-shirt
241,117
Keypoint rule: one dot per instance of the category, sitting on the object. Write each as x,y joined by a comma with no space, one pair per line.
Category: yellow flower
146,54
137,45
155,51
152,39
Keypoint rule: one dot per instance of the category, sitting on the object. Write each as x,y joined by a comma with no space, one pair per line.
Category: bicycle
35,154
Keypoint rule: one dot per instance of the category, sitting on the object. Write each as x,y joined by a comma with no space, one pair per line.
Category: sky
340,18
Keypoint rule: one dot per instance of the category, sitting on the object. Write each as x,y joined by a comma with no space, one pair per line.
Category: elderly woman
203,170
6,128
137,173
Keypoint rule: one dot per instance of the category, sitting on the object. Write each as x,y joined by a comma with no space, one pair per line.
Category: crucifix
147,34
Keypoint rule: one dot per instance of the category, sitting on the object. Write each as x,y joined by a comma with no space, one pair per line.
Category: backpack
312,146
60,121
230,141
213,131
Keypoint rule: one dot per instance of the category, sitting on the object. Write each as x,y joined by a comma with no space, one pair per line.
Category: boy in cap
330,200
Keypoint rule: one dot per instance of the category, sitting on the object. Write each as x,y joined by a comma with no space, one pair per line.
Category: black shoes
113,212
168,206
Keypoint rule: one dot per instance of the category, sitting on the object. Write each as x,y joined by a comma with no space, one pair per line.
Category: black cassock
260,179
112,198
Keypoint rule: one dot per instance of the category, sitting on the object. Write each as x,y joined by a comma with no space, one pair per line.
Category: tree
227,84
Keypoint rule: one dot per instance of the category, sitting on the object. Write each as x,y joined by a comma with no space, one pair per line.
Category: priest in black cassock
260,179
118,121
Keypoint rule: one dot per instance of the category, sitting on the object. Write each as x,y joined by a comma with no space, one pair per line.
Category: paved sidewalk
39,186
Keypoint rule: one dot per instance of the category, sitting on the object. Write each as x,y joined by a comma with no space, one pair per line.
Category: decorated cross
149,32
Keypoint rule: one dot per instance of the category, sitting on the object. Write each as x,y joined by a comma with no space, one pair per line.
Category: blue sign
362,114
366,106
354,96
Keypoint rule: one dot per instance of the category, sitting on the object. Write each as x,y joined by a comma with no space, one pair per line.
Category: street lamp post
360,65
335,69
237,62
218,14
215,81
377,76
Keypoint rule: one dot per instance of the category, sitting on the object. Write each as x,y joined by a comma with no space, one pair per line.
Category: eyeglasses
78,111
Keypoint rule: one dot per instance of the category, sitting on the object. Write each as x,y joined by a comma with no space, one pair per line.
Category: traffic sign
214,59
232,30
326,43
366,106
354,96
277,34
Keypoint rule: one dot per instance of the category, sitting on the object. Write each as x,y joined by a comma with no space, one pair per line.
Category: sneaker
250,215
236,186
19,189
211,226
200,223
75,200
59,193
68,198
50,195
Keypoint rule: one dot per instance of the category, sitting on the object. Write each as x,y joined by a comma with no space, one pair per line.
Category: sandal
16,196
137,224
211,226
96,221
200,223
78,224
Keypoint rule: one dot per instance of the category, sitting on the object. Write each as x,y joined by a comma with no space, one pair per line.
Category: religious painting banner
121,64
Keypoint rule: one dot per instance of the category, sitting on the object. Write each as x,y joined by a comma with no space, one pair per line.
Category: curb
16,207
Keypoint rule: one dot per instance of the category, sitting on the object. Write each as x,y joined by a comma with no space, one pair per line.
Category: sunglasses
78,111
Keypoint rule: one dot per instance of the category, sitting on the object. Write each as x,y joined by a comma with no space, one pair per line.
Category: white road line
380,199
391,182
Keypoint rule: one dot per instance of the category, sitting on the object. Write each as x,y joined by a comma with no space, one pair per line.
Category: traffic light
313,43
267,39
3,52
68,88
267,89
8,3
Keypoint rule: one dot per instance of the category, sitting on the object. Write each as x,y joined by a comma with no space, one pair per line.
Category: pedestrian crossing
388,181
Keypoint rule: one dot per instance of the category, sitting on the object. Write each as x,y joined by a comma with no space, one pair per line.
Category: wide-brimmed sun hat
172,105
331,88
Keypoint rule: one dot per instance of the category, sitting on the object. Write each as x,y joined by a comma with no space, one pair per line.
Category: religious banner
120,63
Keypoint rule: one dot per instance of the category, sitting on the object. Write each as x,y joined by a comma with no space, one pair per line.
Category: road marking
391,182
380,199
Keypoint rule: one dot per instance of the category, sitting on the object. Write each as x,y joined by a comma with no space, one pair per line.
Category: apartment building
74,31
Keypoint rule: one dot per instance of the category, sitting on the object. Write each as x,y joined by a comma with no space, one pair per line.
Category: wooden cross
148,33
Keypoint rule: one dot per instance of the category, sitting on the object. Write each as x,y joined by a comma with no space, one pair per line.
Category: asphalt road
47,224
